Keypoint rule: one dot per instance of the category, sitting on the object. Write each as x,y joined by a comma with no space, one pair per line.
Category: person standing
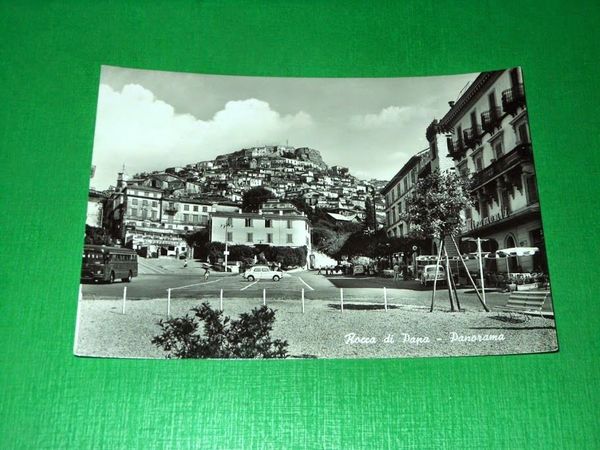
396,271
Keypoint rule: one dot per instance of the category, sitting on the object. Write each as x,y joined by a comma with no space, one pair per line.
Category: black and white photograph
265,217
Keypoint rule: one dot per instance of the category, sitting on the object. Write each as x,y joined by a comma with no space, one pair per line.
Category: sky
150,120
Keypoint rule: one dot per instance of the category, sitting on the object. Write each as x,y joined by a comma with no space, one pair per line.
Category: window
205,209
406,184
401,229
522,133
290,238
468,213
532,194
154,215
478,160
394,214
248,222
186,218
154,204
268,223
186,207
289,223
484,210
195,208
144,202
195,218
269,238
498,146
249,237
134,201
134,212
229,221
387,214
229,236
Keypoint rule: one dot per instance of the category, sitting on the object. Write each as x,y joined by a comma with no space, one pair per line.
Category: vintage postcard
257,217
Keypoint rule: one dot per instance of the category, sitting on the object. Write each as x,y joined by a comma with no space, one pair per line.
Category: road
316,287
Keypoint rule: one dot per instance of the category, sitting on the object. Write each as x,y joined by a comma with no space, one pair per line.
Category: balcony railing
490,120
456,149
472,136
513,98
520,154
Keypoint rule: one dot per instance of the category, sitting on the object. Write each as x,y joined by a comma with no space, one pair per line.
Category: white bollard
168,303
341,299
221,299
302,301
385,298
124,298
264,296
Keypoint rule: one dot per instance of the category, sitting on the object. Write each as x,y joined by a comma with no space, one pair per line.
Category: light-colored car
262,273
428,274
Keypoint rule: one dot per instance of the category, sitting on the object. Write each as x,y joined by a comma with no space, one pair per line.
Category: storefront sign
471,224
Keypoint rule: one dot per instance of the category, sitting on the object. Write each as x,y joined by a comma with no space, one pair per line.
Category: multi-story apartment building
397,191
143,217
281,229
489,141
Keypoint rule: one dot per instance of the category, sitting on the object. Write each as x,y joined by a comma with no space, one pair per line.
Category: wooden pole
264,297
168,303
437,265
469,275
124,298
455,291
303,301
481,269
341,299
385,298
221,299
448,281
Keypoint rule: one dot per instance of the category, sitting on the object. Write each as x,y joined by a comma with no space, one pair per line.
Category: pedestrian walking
206,273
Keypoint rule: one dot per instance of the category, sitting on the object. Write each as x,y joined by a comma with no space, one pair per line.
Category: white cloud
389,116
135,128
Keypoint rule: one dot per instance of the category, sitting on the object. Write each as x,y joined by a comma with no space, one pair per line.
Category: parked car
262,273
428,274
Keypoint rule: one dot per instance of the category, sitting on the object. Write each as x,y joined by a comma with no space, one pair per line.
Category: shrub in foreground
209,334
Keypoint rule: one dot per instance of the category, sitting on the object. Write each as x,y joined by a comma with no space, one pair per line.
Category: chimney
451,103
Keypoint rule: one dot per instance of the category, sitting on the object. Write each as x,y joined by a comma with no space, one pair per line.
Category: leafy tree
436,204
97,236
198,240
370,220
209,334
253,198
434,211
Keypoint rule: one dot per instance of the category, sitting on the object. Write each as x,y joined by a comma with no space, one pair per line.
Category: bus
103,263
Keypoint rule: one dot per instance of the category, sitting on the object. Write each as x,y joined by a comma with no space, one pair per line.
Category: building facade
398,190
487,136
237,228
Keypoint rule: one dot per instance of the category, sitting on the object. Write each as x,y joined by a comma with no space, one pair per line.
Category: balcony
520,154
171,210
456,149
472,136
491,119
513,98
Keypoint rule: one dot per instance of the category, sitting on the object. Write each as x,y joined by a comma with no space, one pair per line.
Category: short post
385,298
264,297
124,298
168,303
302,301
221,299
341,299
